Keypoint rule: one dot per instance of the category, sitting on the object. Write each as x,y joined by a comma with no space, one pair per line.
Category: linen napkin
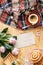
25,39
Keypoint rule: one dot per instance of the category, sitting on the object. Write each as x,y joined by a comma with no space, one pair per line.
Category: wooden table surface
23,51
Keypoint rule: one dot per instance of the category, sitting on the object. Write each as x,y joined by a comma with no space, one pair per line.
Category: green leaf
13,63
15,37
8,46
3,35
1,43
4,30
8,35
6,40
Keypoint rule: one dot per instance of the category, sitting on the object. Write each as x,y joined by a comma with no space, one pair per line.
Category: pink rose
12,40
2,49
15,51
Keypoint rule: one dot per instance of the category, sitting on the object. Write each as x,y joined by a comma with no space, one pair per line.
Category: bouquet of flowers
7,43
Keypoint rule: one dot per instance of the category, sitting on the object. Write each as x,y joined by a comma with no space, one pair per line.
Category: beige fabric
25,39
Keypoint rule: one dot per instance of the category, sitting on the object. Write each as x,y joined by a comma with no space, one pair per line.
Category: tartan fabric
4,16
2,1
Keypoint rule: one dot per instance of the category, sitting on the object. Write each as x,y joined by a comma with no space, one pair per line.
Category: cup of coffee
33,19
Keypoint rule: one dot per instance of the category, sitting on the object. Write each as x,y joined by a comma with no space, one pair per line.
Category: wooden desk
13,31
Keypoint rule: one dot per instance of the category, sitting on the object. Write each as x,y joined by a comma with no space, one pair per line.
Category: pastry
35,56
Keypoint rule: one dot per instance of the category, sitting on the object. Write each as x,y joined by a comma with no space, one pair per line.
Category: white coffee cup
33,19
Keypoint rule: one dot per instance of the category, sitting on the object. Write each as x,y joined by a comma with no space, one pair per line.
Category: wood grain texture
24,50
1,61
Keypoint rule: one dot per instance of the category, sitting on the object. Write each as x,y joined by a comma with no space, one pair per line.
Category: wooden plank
1,61
14,31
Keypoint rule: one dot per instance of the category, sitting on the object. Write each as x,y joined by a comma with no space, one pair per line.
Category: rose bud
12,40
15,51
2,49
